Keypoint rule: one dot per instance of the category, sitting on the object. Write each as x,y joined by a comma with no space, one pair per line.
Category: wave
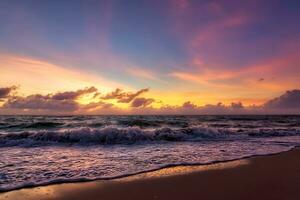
34,125
111,135
130,135
140,123
44,125
279,132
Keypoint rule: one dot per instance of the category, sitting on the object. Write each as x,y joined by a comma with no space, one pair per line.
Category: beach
143,99
262,177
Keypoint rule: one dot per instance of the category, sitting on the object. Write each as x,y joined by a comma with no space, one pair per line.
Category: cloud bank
69,102
289,100
41,102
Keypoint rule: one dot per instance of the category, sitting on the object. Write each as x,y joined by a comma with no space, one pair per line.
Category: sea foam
131,135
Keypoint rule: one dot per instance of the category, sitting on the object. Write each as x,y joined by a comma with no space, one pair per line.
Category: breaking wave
131,135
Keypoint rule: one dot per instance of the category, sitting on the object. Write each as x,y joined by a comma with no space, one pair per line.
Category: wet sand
263,177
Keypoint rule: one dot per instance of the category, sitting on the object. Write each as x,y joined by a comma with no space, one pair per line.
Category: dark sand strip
264,177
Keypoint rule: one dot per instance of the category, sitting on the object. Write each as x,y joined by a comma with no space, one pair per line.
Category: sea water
39,150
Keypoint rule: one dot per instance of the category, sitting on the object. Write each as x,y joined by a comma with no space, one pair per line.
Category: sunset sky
138,56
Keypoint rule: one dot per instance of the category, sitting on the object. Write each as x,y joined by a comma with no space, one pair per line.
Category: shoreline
206,173
145,173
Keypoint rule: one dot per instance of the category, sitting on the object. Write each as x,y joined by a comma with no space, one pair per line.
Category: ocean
39,150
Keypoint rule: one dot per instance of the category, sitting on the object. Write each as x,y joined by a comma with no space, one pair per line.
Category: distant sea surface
38,150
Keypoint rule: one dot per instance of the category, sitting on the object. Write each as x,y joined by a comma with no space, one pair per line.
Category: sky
149,56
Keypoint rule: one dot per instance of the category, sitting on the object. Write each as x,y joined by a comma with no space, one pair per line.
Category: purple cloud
237,105
40,102
142,102
289,100
124,97
189,105
6,91
71,95
61,101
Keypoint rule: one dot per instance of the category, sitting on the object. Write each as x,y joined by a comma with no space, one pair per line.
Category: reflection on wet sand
180,170
59,190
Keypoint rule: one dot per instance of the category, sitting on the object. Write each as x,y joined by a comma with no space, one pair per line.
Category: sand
263,177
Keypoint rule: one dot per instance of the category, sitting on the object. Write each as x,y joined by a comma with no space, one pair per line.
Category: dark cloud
41,102
118,93
237,105
61,101
124,97
97,94
6,91
189,105
130,96
289,100
72,95
141,102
